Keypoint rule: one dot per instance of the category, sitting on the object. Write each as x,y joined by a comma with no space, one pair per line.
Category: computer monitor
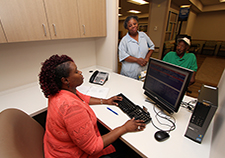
166,84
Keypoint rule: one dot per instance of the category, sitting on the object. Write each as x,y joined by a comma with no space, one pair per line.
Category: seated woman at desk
71,125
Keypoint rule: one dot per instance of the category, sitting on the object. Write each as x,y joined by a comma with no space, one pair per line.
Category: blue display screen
166,83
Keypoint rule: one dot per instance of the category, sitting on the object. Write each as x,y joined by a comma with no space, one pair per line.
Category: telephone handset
99,77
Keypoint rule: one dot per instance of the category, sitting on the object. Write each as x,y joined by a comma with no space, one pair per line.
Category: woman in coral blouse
71,125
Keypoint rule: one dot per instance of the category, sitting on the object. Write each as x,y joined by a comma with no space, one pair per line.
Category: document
94,91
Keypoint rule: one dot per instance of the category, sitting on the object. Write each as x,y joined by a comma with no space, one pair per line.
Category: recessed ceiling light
222,0
185,6
138,2
134,11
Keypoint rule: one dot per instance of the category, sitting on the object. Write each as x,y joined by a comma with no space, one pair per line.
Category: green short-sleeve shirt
187,61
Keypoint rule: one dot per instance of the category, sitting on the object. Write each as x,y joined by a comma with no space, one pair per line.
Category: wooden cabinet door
63,18
92,16
2,35
24,20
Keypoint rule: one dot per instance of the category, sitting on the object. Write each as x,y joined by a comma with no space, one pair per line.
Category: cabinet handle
44,29
54,29
84,29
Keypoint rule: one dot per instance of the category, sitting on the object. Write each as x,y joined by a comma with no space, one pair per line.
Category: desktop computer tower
203,113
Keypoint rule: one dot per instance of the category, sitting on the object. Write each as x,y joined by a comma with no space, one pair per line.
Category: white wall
20,62
218,139
106,48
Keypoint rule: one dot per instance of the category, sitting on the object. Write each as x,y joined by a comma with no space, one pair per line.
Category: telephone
99,77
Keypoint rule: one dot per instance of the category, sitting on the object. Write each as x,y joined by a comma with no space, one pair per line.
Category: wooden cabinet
92,17
63,18
2,35
32,20
76,18
24,20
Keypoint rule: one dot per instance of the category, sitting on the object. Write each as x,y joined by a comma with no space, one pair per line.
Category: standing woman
135,49
71,125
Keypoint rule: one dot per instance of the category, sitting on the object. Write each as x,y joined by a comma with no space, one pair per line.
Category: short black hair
128,19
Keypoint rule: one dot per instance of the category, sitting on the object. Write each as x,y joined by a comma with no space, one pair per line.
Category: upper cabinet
32,20
2,35
63,18
24,20
92,17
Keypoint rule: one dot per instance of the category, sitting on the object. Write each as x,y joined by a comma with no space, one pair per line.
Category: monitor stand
150,99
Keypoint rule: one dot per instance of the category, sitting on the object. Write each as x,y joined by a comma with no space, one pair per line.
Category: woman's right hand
134,125
130,126
141,61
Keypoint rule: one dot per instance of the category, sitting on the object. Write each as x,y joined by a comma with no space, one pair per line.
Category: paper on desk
94,91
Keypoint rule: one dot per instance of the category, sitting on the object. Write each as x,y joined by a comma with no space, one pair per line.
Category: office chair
20,135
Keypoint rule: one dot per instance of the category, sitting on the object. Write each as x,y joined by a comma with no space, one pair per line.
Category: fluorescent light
138,2
222,0
134,11
120,14
185,6
119,8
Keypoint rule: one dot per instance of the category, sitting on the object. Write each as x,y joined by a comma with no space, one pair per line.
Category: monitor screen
166,84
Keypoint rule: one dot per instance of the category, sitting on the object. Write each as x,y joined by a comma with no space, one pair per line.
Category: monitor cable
162,115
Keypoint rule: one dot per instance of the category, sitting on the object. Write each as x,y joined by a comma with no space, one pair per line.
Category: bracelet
101,101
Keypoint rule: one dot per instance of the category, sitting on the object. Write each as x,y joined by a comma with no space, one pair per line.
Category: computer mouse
161,136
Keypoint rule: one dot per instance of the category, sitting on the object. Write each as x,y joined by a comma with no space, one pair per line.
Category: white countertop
30,99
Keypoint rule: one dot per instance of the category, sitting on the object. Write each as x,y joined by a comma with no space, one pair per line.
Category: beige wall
20,62
191,21
161,9
158,11
209,26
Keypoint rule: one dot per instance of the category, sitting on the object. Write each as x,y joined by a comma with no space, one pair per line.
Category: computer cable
171,119
188,105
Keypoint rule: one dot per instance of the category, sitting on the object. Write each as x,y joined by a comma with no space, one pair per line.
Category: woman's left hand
111,101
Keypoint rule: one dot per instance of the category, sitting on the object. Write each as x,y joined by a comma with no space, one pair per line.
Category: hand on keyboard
134,125
133,110
114,100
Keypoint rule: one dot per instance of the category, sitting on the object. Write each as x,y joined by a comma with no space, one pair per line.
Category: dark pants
122,150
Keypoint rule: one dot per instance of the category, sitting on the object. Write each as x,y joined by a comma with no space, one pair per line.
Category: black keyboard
133,110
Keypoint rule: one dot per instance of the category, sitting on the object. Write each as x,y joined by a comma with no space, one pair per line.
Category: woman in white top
135,49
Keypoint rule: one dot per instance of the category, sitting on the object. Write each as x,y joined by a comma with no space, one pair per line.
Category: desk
30,99
144,142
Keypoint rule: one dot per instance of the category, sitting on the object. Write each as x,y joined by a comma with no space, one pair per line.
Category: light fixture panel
138,2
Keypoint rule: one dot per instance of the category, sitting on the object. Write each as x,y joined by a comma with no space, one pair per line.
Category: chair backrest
20,135
222,45
210,43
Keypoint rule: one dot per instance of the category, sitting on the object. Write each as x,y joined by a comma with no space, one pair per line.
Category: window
172,26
